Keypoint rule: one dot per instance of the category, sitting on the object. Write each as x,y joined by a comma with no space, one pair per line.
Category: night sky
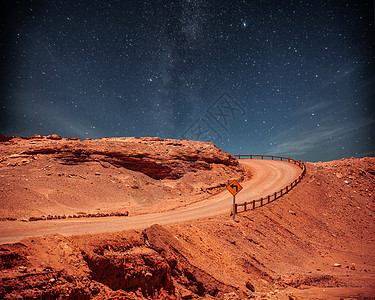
291,78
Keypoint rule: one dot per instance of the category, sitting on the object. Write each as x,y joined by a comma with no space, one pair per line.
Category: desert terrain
51,176
147,218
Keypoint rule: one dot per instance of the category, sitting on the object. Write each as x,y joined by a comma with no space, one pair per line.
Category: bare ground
316,242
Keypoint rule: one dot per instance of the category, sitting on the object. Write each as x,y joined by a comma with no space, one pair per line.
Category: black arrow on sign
234,186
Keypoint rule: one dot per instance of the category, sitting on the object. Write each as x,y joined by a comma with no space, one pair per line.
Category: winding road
268,176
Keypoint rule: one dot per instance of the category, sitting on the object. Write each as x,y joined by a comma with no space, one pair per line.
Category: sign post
234,188
234,208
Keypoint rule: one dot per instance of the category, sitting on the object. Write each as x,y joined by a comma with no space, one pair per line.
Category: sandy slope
268,176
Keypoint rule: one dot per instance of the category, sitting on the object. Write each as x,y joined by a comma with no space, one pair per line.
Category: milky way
292,78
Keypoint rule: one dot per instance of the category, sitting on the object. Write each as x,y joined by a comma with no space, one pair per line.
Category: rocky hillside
316,242
51,176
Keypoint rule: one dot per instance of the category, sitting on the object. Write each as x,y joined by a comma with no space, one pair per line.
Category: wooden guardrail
247,205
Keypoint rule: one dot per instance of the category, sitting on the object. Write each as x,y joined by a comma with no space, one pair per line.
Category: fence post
269,200
245,208
253,204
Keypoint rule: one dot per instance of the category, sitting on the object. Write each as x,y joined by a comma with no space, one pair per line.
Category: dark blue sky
292,78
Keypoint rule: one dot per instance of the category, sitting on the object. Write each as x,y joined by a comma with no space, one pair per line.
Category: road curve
268,176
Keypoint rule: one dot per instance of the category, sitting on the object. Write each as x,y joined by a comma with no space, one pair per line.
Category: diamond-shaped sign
234,187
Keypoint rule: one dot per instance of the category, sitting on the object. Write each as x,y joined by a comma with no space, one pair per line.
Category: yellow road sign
234,187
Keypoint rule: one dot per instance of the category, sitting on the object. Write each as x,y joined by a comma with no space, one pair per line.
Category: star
154,68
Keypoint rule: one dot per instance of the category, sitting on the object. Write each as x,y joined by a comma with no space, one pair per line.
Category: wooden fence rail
269,198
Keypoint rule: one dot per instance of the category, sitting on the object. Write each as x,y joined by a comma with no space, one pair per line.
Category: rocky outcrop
127,265
140,269
187,275
106,176
4,138
157,158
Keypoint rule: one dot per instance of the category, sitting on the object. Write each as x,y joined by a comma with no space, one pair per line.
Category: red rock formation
66,176
159,159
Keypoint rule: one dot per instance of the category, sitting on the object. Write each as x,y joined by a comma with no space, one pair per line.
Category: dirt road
268,177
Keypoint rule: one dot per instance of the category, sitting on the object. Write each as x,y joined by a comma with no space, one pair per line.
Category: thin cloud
341,74
306,142
311,139
324,105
